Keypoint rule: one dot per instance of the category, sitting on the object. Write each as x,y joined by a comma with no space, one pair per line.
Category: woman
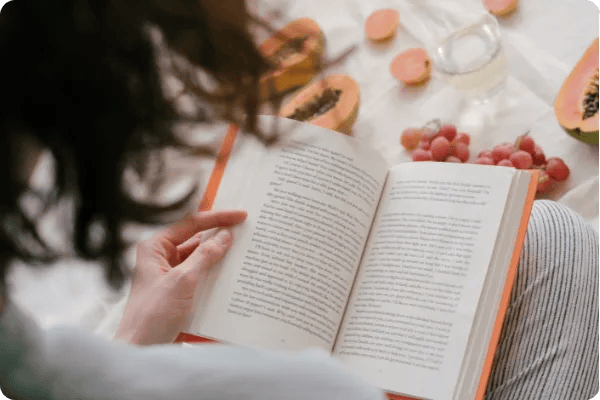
80,78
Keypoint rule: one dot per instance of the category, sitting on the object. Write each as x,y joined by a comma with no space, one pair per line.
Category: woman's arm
64,363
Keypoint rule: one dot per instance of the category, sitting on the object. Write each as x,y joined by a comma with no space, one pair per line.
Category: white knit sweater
67,363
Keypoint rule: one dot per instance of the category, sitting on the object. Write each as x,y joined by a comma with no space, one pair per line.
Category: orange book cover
211,192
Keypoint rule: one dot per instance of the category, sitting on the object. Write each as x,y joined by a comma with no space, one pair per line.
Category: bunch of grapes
436,142
526,154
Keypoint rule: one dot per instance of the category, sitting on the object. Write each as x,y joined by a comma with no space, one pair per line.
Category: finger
208,253
184,250
197,238
181,231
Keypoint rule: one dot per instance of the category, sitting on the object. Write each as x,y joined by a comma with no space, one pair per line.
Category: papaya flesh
331,103
296,51
412,66
576,105
381,25
501,7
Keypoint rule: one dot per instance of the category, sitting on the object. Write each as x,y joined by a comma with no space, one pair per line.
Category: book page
489,317
411,311
285,282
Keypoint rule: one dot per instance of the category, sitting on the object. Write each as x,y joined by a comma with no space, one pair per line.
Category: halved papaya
331,103
296,50
576,105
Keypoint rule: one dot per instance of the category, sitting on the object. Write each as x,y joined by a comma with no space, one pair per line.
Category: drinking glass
471,58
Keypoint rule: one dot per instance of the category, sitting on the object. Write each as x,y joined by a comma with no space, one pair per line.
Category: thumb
208,253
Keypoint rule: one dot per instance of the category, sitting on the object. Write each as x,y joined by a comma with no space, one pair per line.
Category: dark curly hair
80,78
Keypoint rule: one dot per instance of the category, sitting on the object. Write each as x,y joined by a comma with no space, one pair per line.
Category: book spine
206,204
217,173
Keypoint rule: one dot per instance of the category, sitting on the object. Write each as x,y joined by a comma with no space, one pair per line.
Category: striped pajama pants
548,347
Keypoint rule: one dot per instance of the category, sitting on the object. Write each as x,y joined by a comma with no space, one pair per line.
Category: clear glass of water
471,58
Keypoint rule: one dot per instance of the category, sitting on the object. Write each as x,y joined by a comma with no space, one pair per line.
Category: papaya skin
298,68
342,116
568,106
587,137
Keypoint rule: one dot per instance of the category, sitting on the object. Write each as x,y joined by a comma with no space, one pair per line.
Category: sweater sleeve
66,363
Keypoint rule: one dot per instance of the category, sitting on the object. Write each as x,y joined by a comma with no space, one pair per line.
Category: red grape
463,138
544,182
448,131
421,155
453,159
539,158
526,143
410,138
484,160
427,135
486,153
521,159
460,150
505,163
440,148
424,145
557,169
502,152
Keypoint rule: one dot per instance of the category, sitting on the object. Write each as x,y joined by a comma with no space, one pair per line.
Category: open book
401,273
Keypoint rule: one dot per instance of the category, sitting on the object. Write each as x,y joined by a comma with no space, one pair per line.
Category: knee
556,235
557,220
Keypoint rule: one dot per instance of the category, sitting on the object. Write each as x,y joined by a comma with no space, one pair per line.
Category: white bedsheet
543,41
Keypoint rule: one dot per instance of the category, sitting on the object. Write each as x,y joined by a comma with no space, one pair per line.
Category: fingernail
223,236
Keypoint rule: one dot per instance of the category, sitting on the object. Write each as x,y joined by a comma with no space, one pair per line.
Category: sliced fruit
296,51
576,105
501,7
412,66
382,25
331,103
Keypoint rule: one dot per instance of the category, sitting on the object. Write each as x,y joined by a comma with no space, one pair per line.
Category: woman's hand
168,268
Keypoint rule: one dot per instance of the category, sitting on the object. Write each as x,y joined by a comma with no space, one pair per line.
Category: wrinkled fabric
542,40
